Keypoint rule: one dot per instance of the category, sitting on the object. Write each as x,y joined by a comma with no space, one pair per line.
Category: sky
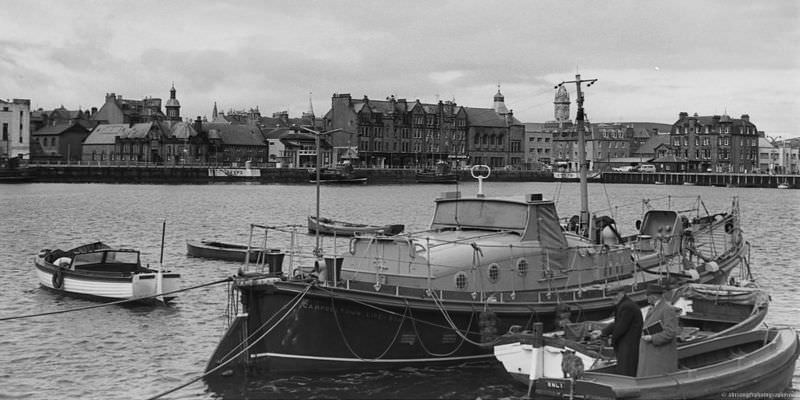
652,59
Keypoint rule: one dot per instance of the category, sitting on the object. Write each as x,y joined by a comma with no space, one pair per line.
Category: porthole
522,267
494,273
461,280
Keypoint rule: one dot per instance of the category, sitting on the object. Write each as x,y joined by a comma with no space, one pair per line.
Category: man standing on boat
625,332
658,349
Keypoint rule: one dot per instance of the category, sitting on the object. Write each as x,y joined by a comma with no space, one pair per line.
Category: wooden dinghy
327,226
100,272
758,361
705,312
232,252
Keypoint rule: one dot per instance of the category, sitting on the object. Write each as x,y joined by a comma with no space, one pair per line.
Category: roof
58,129
235,134
106,134
649,147
488,117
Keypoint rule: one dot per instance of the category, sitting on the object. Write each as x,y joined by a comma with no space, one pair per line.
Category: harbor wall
200,175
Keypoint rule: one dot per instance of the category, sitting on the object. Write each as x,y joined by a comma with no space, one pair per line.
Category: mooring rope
347,342
113,303
235,356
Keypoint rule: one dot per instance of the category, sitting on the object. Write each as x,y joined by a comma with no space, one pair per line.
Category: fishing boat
705,312
343,173
230,251
327,226
757,361
100,272
440,174
445,294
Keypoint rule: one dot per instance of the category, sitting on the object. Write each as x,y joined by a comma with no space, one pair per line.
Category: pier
703,179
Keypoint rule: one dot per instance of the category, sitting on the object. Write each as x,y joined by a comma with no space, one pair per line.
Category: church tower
562,104
173,106
214,112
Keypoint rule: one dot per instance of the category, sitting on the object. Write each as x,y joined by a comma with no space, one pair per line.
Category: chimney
198,124
745,118
94,110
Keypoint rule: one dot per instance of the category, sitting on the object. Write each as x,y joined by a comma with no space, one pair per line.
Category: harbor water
136,352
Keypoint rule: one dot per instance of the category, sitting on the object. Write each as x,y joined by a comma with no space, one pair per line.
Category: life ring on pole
58,279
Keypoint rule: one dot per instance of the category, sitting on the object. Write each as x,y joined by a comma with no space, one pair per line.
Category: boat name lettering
356,313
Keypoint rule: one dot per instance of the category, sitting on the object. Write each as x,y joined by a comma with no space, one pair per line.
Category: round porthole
461,280
494,273
522,267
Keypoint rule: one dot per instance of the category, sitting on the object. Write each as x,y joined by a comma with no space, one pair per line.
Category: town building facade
494,137
715,143
15,130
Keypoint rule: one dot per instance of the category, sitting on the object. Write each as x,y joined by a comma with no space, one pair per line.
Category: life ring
58,279
729,227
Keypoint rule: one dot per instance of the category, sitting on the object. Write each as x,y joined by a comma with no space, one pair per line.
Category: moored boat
757,361
705,312
440,174
344,173
98,271
231,251
327,226
783,185
444,294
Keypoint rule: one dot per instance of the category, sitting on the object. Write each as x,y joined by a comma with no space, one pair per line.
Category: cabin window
494,273
522,267
461,280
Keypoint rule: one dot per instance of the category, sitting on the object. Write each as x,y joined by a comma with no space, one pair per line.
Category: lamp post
317,248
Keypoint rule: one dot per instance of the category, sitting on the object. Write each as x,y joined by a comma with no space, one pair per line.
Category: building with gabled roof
15,129
716,143
118,110
494,136
397,133
58,142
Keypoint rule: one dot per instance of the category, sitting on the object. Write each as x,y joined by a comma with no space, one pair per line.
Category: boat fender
352,246
693,274
43,253
58,279
737,238
711,266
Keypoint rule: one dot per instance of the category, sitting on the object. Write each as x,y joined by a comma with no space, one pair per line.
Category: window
461,280
494,273
5,131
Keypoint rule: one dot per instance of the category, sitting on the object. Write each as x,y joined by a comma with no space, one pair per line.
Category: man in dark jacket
625,332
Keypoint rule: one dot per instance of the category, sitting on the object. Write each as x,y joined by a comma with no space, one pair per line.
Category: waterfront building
776,157
234,144
59,141
15,117
715,143
291,147
117,110
537,146
396,133
495,136
609,141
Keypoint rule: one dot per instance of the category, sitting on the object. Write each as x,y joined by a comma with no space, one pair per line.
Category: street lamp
317,249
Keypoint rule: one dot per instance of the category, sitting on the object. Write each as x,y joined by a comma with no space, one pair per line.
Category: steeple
214,112
499,102
308,116
561,102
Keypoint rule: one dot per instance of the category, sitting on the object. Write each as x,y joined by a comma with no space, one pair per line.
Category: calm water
137,352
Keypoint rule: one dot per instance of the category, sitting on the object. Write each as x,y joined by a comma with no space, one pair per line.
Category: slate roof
58,129
649,147
235,134
488,117
106,134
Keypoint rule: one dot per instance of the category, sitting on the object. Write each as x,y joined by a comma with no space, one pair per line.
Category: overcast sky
653,59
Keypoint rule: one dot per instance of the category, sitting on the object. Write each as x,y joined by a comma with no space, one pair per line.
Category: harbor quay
203,174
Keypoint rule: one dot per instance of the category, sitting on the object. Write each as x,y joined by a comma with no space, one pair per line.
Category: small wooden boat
440,174
97,271
706,312
233,252
758,361
327,226
783,185
336,174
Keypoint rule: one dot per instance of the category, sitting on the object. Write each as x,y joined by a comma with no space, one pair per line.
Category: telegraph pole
584,215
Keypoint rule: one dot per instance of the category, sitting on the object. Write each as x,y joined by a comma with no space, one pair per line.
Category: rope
425,348
297,302
113,303
347,343
454,326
